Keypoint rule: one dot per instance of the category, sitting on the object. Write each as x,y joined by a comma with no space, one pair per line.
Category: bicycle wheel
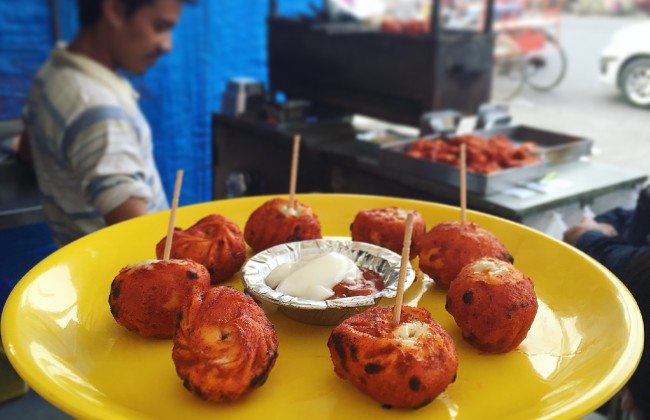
508,69
546,67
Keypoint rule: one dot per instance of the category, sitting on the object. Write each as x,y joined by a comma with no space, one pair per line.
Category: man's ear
114,12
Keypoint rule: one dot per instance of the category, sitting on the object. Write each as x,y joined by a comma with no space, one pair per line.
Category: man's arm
572,234
133,207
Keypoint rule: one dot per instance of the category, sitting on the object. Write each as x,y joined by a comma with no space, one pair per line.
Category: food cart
395,75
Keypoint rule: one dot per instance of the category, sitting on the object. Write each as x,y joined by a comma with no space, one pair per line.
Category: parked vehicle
625,63
643,5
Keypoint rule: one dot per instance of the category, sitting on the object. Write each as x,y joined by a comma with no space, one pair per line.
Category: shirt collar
102,74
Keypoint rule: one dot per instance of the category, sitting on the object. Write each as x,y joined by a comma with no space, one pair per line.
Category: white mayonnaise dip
490,267
290,211
410,332
313,277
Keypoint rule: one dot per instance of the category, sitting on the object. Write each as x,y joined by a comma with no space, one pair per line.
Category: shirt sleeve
618,218
612,252
102,147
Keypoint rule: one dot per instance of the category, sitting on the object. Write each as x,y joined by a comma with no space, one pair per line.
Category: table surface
20,198
584,180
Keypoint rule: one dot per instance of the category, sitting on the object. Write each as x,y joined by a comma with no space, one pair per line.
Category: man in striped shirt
90,145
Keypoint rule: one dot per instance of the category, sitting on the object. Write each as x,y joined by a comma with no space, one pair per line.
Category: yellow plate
60,336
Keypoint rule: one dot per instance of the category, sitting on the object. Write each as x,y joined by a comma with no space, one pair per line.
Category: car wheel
635,82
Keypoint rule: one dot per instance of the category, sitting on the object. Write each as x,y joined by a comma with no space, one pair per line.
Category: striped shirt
91,145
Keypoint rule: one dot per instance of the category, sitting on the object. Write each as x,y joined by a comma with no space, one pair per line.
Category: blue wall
214,41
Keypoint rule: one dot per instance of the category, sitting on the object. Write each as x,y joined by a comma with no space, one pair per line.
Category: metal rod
273,8
56,23
489,17
434,18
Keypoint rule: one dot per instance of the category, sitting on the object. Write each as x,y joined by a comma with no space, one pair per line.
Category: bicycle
526,52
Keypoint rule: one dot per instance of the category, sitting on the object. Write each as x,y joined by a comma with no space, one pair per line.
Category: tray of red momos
482,309
497,159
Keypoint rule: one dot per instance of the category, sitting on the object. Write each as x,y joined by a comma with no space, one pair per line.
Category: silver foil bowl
323,312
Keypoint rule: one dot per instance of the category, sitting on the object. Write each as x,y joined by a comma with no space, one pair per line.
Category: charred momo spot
115,292
414,383
468,297
372,368
199,393
296,234
186,383
192,275
340,350
353,352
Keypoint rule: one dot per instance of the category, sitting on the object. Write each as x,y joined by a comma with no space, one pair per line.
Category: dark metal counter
20,199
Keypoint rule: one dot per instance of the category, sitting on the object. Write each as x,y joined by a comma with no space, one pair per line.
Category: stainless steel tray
554,147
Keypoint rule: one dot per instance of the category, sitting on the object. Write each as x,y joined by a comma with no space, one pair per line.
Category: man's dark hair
91,10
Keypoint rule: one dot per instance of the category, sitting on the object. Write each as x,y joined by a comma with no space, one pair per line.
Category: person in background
616,237
619,239
637,279
90,145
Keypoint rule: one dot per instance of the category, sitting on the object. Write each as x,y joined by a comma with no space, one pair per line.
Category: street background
581,105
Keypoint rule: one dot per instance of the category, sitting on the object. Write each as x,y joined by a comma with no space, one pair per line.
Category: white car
625,63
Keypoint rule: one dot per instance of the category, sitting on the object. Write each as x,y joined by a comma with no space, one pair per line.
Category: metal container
242,94
322,312
554,147
395,159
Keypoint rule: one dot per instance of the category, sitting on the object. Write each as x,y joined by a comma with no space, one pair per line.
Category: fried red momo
146,297
274,223
385,227
493,303
449,246
406,367
214,241
224,345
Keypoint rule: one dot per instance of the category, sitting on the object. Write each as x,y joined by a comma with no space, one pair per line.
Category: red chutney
370,282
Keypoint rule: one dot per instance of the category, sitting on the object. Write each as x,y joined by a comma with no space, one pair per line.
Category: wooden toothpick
294,170
463,184
406,250
172,216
